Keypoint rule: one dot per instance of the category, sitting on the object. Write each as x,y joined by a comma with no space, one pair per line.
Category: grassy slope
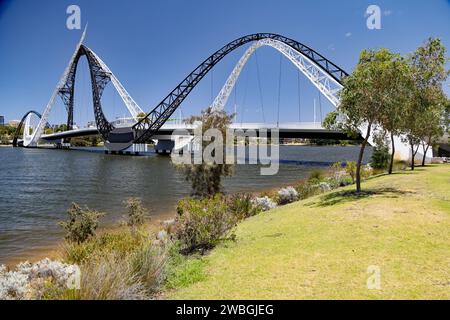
321,247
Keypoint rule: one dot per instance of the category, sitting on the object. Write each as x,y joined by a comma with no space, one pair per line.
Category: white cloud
348,34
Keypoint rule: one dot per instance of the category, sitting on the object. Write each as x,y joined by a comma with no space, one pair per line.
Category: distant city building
2,120
14,123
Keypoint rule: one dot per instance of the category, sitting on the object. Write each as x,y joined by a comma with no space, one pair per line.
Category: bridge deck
306,130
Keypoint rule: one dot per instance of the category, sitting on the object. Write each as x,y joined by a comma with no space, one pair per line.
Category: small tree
136,212
398,90
363,97
380,155
81,224
206,178
428,73
432,125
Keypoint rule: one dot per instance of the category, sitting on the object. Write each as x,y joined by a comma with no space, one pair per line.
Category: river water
38,185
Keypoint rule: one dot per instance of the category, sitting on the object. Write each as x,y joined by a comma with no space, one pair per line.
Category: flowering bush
29,281
324,186
287,195
264,203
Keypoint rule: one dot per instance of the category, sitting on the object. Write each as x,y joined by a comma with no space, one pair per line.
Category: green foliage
241,206
148,266
366,97
306,190
136,212
117,265
380,156
110,277
81,224
7,134
427,101
350,168
88,141
182,271
203,223
206,178
121,243
316,176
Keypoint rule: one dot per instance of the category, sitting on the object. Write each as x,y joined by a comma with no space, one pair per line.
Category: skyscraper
2,120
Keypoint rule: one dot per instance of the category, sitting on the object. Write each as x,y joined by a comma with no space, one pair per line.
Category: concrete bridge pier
176,143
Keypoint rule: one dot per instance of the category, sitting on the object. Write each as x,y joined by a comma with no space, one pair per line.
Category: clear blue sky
152,45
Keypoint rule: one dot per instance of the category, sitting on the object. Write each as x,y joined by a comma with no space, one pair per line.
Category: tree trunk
425,150
412,156
360,157
391,164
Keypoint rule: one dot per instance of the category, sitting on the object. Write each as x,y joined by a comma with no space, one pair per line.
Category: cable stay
320,107
259,87
279,91
298,93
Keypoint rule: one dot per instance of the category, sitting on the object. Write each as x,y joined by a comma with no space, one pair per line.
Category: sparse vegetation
203,223
81,224
206,178
136,212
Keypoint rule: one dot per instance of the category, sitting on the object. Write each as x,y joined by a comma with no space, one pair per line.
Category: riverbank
332,246
55,250
38,186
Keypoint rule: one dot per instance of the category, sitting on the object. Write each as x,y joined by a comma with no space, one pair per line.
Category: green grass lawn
321,247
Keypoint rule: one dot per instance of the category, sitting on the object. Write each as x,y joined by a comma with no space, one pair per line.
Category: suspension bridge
133,135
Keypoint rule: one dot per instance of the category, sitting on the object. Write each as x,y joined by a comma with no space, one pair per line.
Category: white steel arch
131,105
44,119
326,84
27,137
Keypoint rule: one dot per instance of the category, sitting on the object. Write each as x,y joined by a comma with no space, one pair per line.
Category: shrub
287,195
366,171
82,223
148,264
306,190
324,186
121,243
206,178
203,223
315,176
264,203
119,265
345,181
380,157
242,206
400,165
136,212
110,277
350,168
35,281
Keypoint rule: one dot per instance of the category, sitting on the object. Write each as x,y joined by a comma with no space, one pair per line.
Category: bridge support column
176,143
133,149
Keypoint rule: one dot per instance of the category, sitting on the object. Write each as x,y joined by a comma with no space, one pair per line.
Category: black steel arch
148,126
99,79
19,127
